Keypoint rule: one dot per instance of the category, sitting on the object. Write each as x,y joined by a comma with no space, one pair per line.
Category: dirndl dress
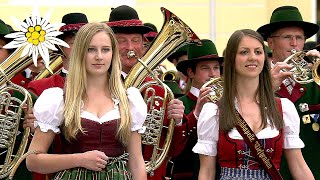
234,155
116,169
99,134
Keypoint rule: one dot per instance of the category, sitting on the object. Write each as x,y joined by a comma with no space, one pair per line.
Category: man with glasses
287,32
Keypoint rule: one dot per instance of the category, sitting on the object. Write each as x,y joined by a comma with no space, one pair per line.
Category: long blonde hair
76,84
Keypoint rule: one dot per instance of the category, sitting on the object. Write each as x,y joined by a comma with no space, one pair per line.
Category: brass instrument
300,69
11,111
55,65
10,117
154,122
14,64
170,75
159,70
216,85
174,34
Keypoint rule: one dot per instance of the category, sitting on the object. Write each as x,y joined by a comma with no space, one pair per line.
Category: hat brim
176,55
182,66
309,29
131,29
67,33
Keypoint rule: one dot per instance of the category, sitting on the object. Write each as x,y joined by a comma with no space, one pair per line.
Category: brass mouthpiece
293,51
131,54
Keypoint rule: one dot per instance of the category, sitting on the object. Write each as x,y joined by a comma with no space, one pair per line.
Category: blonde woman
100,122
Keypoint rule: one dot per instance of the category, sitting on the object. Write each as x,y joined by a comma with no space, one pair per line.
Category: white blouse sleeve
207,130
48,110
138,109
291,128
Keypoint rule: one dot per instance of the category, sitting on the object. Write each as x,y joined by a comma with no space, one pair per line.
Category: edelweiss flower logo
36,36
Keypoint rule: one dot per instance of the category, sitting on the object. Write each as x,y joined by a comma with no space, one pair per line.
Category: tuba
11,111
300,70
12,100
10,117
216,85
174,34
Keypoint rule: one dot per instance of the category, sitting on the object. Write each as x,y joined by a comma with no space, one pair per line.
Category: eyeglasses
290,38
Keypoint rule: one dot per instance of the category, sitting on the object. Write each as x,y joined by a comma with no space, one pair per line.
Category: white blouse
48,110
208,129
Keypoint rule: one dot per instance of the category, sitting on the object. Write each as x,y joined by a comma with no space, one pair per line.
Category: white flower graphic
36,36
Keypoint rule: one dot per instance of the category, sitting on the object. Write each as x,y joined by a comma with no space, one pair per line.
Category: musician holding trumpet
202,65
285,33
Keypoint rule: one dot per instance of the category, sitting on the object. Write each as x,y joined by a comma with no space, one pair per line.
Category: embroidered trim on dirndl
248,174
116,169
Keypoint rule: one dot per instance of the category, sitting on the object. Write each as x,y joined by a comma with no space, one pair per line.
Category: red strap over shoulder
278,100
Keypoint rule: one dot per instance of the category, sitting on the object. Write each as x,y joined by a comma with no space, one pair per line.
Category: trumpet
216,85
301,71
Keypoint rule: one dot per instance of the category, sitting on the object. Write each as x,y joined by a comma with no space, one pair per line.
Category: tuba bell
174,34
301,71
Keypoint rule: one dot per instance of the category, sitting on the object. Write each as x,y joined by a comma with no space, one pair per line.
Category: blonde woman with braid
99,120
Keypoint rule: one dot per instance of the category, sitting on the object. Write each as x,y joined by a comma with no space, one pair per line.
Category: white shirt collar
28,72
195,91
124,75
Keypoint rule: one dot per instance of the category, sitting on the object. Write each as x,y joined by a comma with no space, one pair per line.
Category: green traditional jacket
301,95
187,163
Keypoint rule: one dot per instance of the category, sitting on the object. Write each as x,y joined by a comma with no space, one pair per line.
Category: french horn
216,85
173,34
301,71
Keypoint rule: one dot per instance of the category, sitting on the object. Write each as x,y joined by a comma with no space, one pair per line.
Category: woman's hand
94,160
